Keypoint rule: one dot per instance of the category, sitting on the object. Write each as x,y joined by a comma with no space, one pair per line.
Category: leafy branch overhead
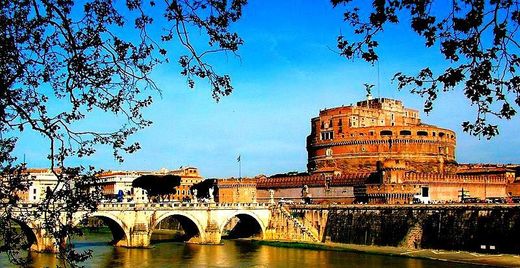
62,61
76,55
477,39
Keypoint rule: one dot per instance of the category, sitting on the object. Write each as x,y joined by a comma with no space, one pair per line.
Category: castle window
385,133
441,134
329,135
433,134
405,132
330,123
422,133
328,152
340,123
371,133
322,124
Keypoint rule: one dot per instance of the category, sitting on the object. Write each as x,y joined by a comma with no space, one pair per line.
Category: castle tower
354,138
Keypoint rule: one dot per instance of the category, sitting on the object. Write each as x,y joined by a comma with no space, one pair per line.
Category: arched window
441,134
405,132
328,152
385,133
422,133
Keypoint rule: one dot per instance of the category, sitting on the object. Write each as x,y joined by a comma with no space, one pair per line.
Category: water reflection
231,254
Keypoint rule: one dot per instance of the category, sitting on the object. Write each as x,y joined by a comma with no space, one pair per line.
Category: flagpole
239,160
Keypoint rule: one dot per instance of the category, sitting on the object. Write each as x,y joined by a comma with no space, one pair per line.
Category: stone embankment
477,233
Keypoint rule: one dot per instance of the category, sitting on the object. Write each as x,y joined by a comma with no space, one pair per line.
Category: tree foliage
93,56
476,37
203,187
158,185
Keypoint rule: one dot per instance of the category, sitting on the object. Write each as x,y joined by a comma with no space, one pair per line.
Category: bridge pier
43,241
138,239
212,235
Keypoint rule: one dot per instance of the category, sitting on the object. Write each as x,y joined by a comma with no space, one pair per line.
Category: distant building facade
189,177
234,190
41,180
114,182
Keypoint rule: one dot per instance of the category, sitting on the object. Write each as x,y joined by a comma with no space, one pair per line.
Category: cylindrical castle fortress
355,138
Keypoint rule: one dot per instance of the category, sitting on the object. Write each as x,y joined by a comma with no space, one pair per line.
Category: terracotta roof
312,180
480,170
42,170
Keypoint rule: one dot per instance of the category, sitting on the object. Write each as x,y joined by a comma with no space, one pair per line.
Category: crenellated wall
321,189
449,187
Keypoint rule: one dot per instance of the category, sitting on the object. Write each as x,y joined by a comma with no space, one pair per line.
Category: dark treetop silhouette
158,185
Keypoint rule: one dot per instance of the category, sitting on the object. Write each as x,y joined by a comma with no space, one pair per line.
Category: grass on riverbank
503,260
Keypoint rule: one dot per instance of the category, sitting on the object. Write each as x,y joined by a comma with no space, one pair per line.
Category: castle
354,138
378,151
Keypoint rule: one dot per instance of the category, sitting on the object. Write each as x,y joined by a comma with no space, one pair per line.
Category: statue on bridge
271,196
211,197
306,195
194,196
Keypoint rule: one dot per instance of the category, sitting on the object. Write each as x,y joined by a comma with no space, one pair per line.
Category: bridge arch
248,219
28,230
190,224
120,234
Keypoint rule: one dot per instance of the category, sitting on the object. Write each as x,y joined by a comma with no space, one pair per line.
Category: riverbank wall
476,228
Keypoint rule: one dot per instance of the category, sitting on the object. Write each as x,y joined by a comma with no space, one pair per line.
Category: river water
233,253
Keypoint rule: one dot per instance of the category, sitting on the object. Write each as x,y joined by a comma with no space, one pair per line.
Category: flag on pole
238,159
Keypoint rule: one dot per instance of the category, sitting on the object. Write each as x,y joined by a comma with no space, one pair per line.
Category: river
233,253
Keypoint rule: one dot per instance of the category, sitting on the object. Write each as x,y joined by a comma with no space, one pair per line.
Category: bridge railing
177,205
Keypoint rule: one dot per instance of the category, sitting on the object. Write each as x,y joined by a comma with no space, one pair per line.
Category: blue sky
287,71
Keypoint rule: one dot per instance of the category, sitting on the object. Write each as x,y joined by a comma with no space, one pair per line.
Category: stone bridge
132,224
